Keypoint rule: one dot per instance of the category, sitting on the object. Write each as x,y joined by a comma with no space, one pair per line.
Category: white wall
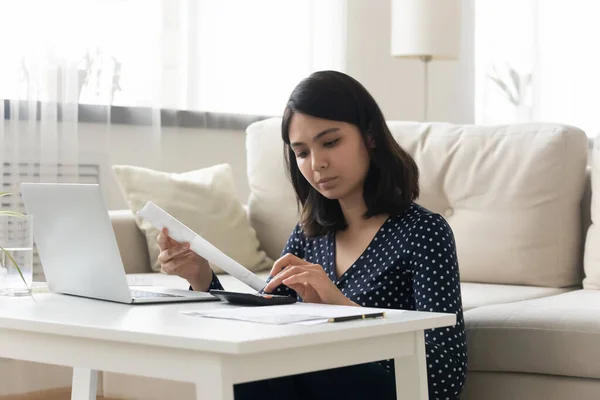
397,84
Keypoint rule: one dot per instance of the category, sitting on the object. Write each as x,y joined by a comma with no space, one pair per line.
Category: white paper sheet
160,219
297,313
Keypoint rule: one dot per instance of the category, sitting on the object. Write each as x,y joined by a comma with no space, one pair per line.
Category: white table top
164,325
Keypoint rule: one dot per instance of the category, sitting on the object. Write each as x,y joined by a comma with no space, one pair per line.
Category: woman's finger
180,261
299,268
277,280
172,266
310,281
168,267
163,257
305,290
162,239
167,255
301,277
300,289
168,240
188,254
311,295
285,261
178,250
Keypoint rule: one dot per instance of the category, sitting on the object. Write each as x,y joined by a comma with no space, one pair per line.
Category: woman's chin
331,194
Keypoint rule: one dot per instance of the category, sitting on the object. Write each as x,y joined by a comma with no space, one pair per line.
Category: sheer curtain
226,56
245,57
217,56
543,50
210,56
504,60
68,66
56,57
569,63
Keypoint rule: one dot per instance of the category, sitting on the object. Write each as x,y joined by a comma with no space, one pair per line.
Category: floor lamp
426,30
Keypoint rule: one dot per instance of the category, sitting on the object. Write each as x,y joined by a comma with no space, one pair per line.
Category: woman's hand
308,280
177,259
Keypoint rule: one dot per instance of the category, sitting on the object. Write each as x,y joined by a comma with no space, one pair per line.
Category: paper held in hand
160,219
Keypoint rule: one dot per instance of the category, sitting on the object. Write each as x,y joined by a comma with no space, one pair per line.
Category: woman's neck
354,208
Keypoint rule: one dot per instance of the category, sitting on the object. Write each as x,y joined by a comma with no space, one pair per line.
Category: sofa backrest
512,195
592,243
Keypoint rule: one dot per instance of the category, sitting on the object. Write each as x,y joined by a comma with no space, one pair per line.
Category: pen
353,317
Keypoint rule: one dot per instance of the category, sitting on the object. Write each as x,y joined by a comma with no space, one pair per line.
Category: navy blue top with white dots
410,264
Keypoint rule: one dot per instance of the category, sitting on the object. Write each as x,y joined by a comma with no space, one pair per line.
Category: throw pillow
204,200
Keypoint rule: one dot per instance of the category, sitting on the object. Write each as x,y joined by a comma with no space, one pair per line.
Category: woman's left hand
309,281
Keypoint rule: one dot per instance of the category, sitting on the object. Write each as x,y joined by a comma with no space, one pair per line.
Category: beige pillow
204,200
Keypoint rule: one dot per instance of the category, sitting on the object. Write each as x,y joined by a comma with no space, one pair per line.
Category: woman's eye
330,143
302,154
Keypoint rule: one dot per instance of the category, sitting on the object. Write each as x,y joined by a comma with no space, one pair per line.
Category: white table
158,341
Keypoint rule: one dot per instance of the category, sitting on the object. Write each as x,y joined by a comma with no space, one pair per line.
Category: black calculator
252,299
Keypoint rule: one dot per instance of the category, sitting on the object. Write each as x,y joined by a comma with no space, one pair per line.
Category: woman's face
331,155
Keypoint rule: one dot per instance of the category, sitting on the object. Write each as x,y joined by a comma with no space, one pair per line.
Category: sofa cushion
520,386
272,205
204,200
483,294
131,241
556,335
592,245
511,194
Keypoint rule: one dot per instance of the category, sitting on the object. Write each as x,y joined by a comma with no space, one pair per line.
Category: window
232,56
536,61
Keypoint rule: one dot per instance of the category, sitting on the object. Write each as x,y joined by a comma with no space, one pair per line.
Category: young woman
361,240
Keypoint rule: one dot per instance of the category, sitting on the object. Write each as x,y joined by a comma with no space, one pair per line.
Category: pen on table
354,317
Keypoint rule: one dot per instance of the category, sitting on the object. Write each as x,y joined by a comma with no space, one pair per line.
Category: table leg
411,372
214,386
85,382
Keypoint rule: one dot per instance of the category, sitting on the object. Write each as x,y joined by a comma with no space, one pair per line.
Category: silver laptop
78,249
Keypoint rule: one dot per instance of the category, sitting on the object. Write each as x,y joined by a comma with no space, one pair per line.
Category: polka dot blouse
410,264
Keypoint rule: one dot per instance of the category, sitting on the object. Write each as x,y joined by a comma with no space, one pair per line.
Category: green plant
12,260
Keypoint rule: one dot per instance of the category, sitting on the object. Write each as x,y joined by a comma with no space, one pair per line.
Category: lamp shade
426,28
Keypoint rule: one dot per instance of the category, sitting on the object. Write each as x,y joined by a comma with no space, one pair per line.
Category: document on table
160,219
297,313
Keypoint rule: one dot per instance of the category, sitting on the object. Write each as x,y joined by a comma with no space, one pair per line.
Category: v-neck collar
333,253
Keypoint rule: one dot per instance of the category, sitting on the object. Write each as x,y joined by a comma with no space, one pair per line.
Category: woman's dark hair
392,181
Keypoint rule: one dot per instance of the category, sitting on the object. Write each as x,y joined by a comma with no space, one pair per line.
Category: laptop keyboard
140,294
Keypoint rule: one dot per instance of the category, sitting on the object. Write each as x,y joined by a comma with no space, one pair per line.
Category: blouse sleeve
214,283
436,286
295,245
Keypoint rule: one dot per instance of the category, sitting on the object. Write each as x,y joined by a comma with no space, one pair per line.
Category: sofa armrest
131,242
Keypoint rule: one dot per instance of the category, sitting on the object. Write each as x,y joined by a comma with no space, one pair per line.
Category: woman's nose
318,162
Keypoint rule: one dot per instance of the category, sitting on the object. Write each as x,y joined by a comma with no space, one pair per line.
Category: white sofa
518,200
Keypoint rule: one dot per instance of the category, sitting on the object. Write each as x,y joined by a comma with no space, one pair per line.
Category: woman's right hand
177,259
